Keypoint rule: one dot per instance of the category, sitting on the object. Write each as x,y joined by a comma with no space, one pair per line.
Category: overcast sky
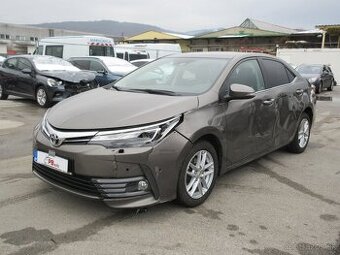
181,16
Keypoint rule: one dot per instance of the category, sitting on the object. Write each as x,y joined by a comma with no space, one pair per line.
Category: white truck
135,51
76,46
325,56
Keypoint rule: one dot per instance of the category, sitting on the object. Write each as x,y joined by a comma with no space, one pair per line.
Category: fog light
143,185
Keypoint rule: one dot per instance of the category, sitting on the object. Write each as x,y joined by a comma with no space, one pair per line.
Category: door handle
268,101
299,92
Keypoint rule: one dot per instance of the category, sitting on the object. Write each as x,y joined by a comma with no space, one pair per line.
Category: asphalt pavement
281,204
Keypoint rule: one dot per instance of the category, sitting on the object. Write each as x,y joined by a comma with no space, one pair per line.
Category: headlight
53,82
135,137
312,80
43,125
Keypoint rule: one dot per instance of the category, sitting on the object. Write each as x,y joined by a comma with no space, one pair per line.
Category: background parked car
321,76
2,59
46,79
141,62
108,69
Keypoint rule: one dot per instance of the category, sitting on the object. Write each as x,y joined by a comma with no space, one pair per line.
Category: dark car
167,130
108,69
46,79
321,76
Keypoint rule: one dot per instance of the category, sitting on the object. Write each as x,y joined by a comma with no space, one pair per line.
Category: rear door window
275,73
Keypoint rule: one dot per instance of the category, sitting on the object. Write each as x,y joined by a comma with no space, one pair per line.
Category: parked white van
146,50
76,46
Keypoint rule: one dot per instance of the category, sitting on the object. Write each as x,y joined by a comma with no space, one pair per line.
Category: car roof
218,54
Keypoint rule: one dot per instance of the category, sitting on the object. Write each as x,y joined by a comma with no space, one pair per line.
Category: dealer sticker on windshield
51,161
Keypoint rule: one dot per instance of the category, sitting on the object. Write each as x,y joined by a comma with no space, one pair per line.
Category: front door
249,122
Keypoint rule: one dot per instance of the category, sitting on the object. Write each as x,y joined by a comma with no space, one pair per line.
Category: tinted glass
56,51
81,64
247,73
23,64
179,75
275,72
96,66
11,63
101,51
135,56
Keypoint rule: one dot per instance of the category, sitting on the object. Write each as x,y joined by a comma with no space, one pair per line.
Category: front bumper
112,175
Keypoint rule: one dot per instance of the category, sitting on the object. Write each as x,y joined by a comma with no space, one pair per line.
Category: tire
3,95
331,86
191,178
303,132
320,88
42,98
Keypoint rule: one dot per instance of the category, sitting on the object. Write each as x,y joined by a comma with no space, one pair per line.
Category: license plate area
52,161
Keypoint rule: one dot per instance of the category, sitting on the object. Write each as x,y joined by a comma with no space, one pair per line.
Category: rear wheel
42,97
3,95
198,175
301,138
331,86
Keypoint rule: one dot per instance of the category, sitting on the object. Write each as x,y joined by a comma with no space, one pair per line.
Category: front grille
100,188
75,88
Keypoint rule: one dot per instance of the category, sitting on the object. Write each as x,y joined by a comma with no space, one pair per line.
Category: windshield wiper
155,91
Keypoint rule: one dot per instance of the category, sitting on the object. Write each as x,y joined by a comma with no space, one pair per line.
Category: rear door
249,122
286,92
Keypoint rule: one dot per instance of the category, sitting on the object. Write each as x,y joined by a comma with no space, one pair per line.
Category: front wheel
320,88
301,138
198,175
3,95
42,97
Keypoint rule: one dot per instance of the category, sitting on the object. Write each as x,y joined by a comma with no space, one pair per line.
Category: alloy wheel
41,97
199,174
0,90
303,134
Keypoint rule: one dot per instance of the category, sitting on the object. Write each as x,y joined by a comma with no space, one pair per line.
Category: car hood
70,76
105,108
121,70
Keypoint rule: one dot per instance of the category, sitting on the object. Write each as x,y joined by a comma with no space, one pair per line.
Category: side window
11,63
96,66
276,73
56,51
23,64
81,64
247,73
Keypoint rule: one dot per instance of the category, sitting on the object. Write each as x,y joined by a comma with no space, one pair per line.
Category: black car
46,79
321,76
107,69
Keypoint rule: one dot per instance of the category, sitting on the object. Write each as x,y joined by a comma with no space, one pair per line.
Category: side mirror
26,71
240,91
102,72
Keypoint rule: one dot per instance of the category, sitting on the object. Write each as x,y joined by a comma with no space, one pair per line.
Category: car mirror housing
26,71
240,91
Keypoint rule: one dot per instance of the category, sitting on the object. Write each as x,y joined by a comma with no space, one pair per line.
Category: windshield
178,75
309,69
48,63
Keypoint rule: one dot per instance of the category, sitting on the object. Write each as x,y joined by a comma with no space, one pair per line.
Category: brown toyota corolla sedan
169,129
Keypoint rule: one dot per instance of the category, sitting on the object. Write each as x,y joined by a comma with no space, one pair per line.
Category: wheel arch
215,138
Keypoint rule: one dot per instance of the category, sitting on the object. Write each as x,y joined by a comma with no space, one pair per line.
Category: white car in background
2,59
